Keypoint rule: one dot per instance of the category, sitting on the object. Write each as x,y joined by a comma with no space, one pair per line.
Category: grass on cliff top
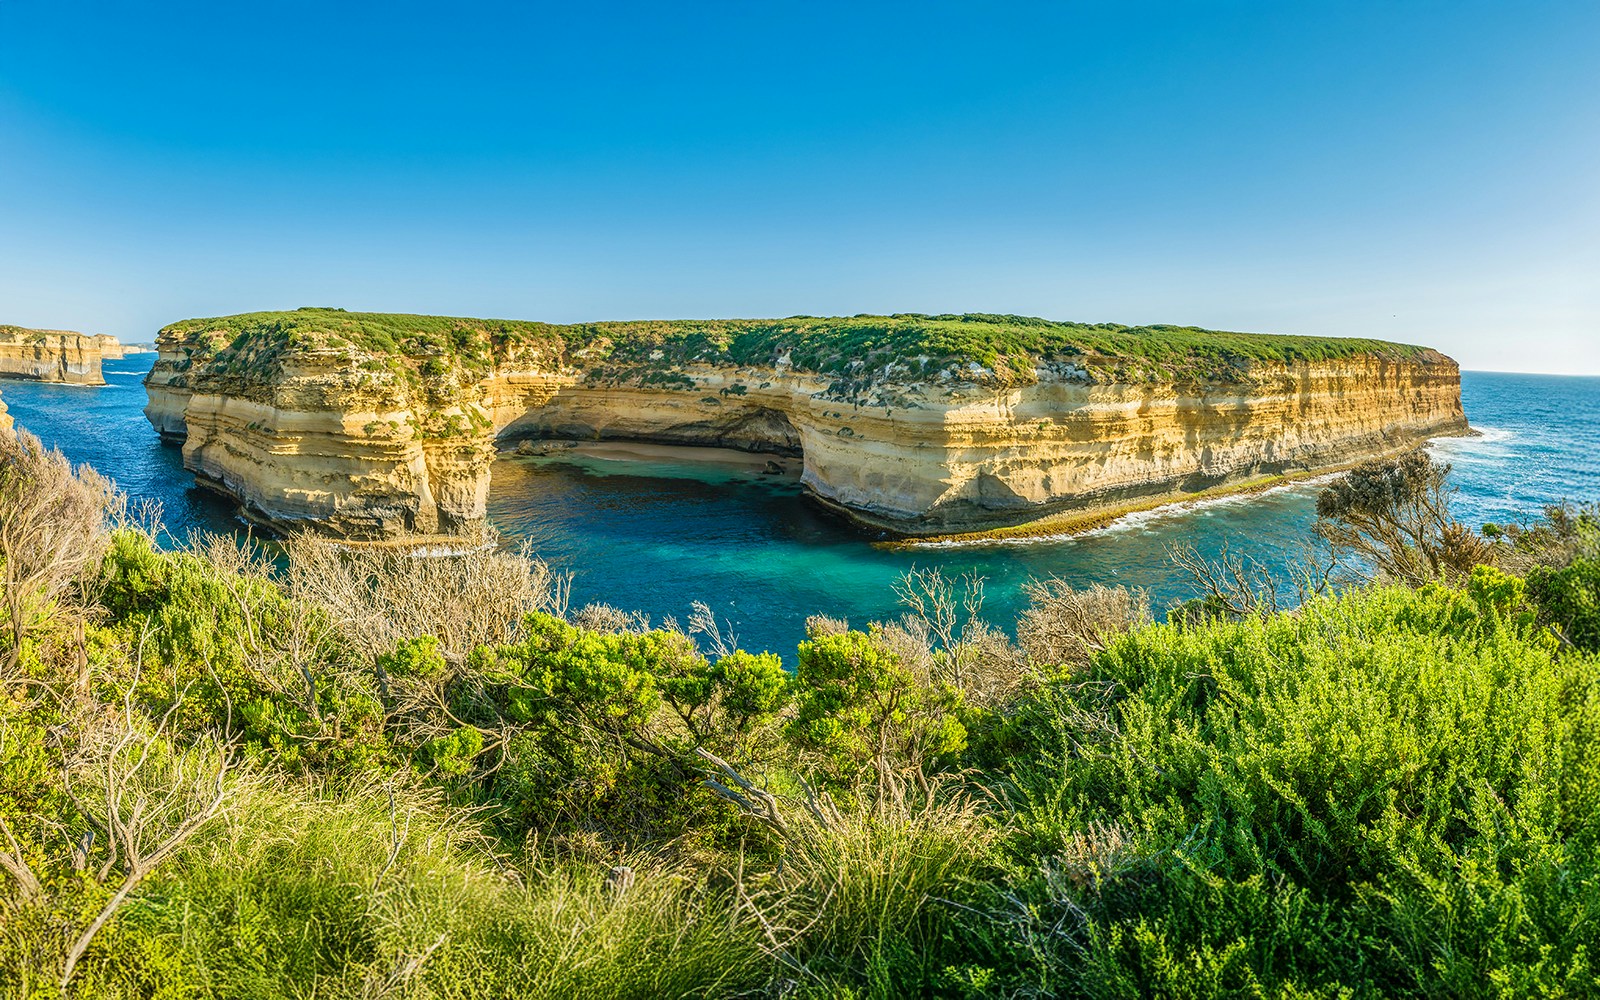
28,335
854,345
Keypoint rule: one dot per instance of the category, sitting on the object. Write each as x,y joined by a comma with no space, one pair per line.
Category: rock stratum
370,426
55,355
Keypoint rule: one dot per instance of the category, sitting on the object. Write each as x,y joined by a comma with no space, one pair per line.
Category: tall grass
871,891
380,891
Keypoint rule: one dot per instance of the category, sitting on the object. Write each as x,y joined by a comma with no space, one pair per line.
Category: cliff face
109,348
54,355
366,448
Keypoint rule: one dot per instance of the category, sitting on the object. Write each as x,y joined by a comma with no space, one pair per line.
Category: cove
646,532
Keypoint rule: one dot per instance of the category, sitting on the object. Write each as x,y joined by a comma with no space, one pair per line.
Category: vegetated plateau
55,355
371,427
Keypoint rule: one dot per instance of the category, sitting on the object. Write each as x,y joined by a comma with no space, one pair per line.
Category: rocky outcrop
7,425
108,346
363,446
54,355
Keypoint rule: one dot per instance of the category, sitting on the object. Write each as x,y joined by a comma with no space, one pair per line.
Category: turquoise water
655,537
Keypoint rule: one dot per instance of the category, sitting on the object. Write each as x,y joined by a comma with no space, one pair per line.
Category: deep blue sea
654,537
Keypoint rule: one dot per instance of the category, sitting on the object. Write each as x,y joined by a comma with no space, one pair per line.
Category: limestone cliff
54,355
110,349
370,426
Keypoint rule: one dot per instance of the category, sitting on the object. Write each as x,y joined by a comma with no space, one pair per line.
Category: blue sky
1427,172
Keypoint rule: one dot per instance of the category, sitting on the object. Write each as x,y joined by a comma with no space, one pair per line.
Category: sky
1427,172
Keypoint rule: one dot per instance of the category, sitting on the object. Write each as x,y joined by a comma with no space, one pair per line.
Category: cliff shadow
742,438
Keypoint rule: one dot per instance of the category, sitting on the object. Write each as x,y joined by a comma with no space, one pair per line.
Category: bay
656,535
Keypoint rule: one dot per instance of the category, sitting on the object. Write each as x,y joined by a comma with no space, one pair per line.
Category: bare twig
756,802
148,800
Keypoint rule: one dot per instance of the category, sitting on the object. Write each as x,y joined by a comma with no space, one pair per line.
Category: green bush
1569,599
1391,793
228,647
858,704
602,725
419,657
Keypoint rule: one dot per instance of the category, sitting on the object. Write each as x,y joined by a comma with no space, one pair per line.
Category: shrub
212,624
858,706
52,528
1395,515
1569,599
754,684
379,597
599,728
420,657
1062,626
1562,533
1391,793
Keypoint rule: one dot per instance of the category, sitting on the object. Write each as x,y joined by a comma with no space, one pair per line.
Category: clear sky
1421,171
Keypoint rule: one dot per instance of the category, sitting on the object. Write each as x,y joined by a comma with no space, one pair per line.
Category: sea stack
55,355
369,426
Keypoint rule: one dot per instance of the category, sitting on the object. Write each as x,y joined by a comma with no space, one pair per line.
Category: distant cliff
55,355
368,426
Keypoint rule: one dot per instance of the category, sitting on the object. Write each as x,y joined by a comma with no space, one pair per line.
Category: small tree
1395,514
860,705
944,636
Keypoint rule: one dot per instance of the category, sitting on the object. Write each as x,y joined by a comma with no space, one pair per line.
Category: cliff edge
369,426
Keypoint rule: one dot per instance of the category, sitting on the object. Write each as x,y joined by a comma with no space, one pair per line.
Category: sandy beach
637,451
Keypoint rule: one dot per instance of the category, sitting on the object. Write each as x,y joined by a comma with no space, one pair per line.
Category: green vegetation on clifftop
27,335
921,345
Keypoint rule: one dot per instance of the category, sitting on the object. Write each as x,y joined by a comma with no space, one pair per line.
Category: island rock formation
370,427
55,355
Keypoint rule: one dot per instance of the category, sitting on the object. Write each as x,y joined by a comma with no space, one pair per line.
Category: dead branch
703,621
756,802
1241,585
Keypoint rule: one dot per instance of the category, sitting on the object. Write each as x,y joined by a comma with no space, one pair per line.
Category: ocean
655,536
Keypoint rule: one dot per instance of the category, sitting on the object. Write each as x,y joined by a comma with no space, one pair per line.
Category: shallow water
656,535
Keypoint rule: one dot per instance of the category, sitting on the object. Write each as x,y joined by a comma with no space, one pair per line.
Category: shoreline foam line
1077,524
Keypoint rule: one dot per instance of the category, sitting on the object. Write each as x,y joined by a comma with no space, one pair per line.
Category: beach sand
729,459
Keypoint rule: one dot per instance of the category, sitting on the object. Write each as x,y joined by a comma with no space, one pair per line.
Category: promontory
370,426
55,355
